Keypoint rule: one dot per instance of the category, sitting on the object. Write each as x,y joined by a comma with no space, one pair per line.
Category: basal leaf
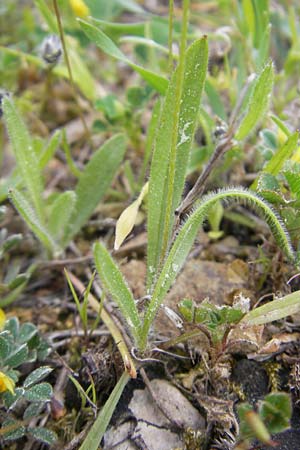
50,148
29,215
25,155
184,122
94,181
274,310
60,214
115,285
258,102
108,46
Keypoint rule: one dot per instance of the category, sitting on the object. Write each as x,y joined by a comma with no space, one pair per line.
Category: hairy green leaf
114,284
25,155
29,215
258,102
36,376
43,434
94,181
50,149
275,310
283,154
18,357
41,392
61,212
160,216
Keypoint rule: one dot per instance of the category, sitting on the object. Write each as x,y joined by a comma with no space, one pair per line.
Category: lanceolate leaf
108,46
31,219
94,181
258,102
26,159
50,149
193,82
275,310
187,235
283,154
60,213
114,284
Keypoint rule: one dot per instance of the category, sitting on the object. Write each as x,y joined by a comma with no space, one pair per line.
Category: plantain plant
173,222
55,224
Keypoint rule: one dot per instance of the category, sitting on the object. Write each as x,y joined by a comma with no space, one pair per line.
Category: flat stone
151,427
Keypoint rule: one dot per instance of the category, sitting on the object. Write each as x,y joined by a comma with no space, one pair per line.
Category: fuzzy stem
187,235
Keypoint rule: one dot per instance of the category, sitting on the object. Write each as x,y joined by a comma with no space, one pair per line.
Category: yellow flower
79,8
2,319
6,383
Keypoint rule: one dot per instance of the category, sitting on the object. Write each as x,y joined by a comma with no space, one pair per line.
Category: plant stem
200,185
68,64
171,172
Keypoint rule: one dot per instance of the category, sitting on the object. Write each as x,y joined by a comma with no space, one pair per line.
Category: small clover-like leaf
276,411
13,325
258,102
43,434
33,410
27,331
39,393
36,376
12,429
4,347
18,357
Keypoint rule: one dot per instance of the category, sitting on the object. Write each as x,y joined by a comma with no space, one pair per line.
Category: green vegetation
118,120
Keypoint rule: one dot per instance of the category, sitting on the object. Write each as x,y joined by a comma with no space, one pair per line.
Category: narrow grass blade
258,102
96,433
281,125
187,235
29,215
25,155
110,324
171,161
108,46
274,310
275,164
94,181
114,284
61,212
